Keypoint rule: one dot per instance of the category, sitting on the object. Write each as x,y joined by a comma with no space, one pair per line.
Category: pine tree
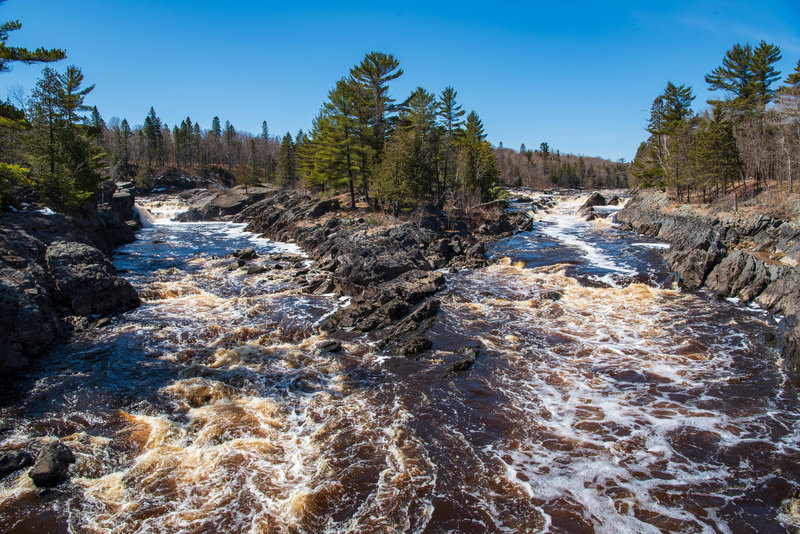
794,77
60,142
153,136
216,129
374,73
450,114
478,161
10,54
747,75
287,171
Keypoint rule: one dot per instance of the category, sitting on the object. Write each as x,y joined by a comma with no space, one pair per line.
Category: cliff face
754,258
55,275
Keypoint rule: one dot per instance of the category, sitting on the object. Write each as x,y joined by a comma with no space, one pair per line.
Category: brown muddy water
625,405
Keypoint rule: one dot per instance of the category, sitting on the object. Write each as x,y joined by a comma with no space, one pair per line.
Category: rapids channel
603,400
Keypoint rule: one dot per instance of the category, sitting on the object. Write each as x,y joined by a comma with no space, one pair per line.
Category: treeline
394,154
141,151
750,134
542,169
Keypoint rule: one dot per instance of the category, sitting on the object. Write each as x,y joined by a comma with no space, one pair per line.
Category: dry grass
771,203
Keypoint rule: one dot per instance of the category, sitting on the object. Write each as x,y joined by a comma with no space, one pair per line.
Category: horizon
584,85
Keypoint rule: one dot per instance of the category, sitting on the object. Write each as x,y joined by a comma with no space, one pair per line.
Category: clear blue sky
579,75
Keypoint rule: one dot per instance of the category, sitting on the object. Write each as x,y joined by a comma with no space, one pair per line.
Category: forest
748,140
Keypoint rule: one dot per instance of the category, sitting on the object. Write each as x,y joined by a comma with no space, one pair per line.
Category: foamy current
603,400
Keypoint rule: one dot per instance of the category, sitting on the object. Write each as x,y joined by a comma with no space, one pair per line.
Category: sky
578,75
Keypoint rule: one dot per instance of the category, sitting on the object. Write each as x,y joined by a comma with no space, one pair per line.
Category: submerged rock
52,465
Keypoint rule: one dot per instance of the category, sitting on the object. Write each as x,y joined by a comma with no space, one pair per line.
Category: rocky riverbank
56,275
753,258
392,273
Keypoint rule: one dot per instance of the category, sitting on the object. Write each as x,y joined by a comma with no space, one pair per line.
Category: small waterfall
146,219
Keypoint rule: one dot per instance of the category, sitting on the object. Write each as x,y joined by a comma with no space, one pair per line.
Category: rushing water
603,400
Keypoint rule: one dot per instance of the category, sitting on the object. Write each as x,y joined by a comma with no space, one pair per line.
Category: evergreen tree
450,114
478,161
153,136
125,135
12,120
10,54
374,73
216,129
59,141
287,171
794,77
747,75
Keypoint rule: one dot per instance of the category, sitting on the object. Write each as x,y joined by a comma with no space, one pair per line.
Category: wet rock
587,208
86,281
245,254
414,346
256,269
408,336
52,465
11,461
467,357
329,346
553,295
102,323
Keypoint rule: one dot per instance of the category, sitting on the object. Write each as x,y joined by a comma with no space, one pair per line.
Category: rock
86,281
11,461
329,346
322,207
256,269
553,295
407,336
414,346
467,358
587,208
245,254
52,465
223,204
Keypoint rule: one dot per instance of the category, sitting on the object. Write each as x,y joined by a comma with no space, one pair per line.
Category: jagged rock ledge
56,275
391,273
755,259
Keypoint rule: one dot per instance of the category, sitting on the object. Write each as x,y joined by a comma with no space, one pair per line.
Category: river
603,400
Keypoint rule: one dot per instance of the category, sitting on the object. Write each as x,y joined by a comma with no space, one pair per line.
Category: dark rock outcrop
52,465
11,461
753,259
54,266
86,282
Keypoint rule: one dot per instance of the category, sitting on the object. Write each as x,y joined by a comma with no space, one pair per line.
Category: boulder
11,461
86,281
595,199
467,357
52,465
